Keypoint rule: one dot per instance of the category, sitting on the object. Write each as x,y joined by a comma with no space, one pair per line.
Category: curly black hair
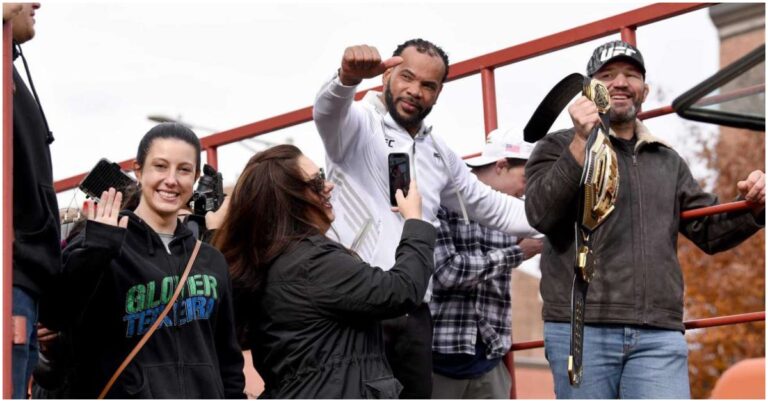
424,46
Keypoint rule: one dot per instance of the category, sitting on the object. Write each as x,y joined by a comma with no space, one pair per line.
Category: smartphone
399,175
104,175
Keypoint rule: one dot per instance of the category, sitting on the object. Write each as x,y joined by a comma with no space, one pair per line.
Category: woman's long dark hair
270,210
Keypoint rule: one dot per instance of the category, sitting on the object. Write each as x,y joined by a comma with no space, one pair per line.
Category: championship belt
599,189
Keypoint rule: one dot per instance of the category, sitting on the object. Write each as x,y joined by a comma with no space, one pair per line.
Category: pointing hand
363,61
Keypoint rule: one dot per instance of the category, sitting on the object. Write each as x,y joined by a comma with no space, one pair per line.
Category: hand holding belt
599,189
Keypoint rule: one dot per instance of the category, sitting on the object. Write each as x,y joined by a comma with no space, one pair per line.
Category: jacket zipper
641,243
175,330
413,159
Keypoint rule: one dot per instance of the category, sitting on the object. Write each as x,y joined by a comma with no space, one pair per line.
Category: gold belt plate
602,188
598,93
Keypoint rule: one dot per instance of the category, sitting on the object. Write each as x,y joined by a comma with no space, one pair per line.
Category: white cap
502,144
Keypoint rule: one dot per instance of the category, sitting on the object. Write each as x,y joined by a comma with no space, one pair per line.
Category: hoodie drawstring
459,196
17,49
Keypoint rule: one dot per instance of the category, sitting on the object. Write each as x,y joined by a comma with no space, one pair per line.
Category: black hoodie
36,247
117,282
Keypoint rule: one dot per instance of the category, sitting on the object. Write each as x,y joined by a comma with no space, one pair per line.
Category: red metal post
7,209
491,121
628,35
490,118
489,99
211,157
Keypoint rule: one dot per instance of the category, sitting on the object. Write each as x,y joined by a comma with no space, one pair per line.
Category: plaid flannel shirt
471,287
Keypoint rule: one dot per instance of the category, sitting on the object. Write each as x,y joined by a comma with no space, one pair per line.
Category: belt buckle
598,93
585,268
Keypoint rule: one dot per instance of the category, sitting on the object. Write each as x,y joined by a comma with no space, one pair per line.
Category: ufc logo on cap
616,51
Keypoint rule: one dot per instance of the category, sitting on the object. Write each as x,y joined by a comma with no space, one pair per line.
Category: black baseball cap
612,51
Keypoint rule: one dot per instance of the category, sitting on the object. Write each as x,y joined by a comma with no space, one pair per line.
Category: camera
209,194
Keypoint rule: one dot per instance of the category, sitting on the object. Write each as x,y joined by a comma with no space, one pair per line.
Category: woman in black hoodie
120,273
308,308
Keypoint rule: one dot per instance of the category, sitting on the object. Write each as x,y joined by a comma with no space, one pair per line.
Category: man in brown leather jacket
633,337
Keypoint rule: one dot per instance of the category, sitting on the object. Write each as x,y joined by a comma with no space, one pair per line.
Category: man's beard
405,122
626,116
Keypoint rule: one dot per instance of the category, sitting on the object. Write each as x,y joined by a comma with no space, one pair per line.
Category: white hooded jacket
358,137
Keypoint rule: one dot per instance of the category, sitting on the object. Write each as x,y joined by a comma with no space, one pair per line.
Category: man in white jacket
358,137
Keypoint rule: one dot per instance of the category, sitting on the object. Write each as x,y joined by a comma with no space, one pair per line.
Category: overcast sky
101,68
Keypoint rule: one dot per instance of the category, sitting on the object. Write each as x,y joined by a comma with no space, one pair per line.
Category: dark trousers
408,342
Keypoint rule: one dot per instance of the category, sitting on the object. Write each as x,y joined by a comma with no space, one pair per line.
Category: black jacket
638,278
117,282
316,331
36,246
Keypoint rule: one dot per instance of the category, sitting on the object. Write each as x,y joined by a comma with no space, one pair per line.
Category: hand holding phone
409,207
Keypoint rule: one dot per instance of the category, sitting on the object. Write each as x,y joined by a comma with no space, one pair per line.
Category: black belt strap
583,271
578,304
553,104
588,217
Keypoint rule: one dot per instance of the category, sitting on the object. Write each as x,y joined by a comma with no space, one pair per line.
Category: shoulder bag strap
155,325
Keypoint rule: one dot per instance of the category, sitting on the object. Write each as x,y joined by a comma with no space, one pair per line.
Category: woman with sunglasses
121,271
308,308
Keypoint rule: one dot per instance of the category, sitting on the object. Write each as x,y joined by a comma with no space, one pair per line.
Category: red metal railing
7,207
716,209
485,65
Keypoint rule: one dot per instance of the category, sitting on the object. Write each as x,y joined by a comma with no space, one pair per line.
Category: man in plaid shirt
471,299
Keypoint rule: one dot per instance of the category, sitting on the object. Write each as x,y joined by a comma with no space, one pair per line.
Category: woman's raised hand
108,209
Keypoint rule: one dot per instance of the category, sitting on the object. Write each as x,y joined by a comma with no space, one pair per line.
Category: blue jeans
24,357
620,361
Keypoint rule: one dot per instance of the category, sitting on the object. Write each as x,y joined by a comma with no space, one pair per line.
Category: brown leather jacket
638,278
